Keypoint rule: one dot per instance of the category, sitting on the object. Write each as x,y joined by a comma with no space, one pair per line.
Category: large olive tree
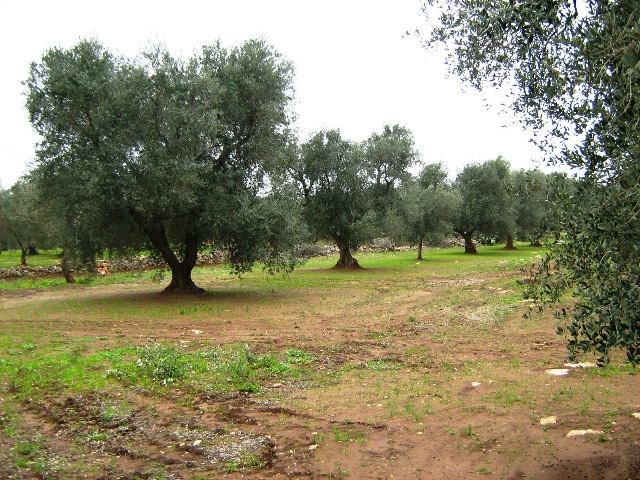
572,69
157,150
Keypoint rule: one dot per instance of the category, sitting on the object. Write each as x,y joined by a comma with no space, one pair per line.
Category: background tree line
164,154
330,189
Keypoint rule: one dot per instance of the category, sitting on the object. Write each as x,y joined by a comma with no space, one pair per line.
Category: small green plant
162,363
97,436
412,410
468,432
28,448
318,438
232,466
342,471
245,460
585,407
250,460
381,365
484,471
563,393
112,411
609,370
348,435
296,357
507,396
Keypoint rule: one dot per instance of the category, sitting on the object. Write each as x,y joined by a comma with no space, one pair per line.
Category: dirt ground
420,387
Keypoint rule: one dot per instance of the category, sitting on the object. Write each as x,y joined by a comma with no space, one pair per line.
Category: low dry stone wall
104,267
19,272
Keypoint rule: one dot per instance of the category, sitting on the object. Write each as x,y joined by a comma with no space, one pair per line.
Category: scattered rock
548,421
580,433
475,384
102,269
580,365
558,372
636,415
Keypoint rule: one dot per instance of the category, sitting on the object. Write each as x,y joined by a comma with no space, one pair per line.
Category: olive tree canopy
159,150
345,186
486,205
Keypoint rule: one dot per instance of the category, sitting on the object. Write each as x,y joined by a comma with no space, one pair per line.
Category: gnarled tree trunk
420,240
346,259
23,248
66,267
181,281
469,246
509,243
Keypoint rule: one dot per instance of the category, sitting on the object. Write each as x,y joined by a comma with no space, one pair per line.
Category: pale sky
355,70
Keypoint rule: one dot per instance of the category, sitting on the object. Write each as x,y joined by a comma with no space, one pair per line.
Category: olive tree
161,151
22,221
330,174
530,195
428,205
345,186
486,206
572,69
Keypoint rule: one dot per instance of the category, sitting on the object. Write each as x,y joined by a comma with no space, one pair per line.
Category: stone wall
104,267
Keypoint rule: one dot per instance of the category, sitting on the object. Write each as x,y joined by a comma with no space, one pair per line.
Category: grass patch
45,258
52,367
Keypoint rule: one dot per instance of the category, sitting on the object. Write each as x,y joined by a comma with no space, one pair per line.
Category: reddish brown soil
401,403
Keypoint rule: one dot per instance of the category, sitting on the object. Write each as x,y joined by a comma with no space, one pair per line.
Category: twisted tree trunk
509,243
469,246
420,240
346,259
181,281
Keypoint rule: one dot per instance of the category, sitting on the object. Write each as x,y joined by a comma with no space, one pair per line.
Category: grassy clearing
45,258
436,348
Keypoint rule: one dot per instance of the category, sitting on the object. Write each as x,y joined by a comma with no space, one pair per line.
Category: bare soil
416,386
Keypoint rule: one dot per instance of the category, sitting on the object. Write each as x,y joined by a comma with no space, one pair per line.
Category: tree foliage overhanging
573,70
157,150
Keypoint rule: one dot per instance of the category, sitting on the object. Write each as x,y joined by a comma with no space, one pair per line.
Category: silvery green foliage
158,151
